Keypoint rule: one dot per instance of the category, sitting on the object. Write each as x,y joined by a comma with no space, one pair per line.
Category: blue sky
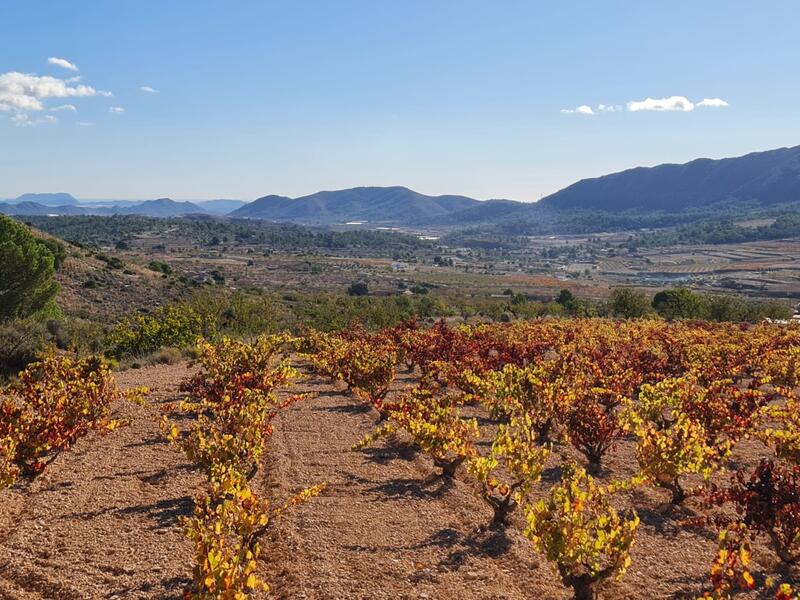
290,97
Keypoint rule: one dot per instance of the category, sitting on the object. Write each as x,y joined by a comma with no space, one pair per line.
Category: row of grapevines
56,401
234,402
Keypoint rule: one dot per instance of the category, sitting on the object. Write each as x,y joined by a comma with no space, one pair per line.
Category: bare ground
102,521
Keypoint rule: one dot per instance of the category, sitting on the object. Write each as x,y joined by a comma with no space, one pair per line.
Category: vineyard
555,458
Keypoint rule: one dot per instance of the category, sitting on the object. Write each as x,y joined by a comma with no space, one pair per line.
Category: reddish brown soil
102,521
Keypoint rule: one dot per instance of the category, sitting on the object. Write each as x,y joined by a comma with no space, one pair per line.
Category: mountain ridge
391,204
766,177
758,179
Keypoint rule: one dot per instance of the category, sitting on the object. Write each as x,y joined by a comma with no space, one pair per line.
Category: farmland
399,451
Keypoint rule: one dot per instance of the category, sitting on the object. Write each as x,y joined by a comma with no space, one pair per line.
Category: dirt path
387,526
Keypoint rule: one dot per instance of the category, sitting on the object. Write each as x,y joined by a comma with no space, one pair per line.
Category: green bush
680,303
160,267
628,303
358,288
175,326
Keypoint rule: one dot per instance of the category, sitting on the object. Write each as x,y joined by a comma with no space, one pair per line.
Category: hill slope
765,178
371,204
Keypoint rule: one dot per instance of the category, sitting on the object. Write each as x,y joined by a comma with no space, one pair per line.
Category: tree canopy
27,267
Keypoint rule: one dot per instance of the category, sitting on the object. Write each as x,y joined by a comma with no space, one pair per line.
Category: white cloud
69,107
63,63
117,110
713,103
673,103
148,89
22,119
583,109
25,92
84,124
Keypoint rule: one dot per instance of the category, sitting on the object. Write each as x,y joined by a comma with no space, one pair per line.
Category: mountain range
376,205
64,204
759,179
766,178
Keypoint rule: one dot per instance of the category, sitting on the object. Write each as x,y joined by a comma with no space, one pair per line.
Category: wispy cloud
583,109
670,104
63,107
63,63
84,124
117,110
713,103
673,103
22,119
148,89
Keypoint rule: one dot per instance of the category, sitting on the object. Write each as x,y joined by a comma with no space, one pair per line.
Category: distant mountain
764,178
220,207
397,205
660,196
163,207
58,199
35,209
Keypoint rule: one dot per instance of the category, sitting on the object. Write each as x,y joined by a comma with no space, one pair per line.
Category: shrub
670,443
169,326
435,426
514,464
768,503
358,288
593,430
160,267
56,401
579,530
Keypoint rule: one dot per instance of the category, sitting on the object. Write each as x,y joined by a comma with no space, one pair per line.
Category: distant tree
628,303
358,288
508,292
565,298
518,299
26,271
680,303
768,309
726,307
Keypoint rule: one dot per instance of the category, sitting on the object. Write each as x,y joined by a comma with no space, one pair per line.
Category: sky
491,99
